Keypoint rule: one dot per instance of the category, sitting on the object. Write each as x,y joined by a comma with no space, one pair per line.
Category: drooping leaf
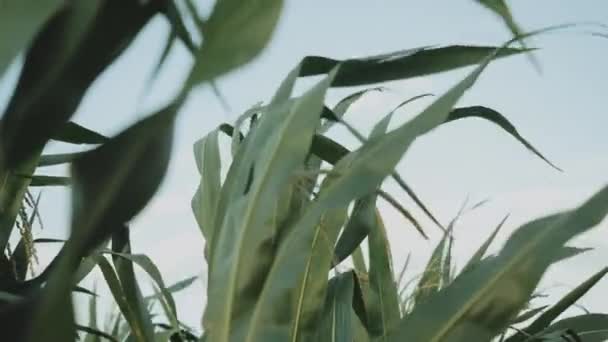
234,34
480,303
401,64
74,133
498,119
83,290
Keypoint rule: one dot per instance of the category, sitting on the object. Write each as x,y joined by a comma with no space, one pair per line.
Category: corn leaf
111,185
356,175
558,308
338,317
401,64
20,20
74,133
234,34
479,304
85,37
238,257
588,328
206,198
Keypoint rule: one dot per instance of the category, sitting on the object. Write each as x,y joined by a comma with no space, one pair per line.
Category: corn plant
278,224
66,46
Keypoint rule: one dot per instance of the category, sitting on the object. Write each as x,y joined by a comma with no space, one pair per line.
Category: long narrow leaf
480,303
401,64
558,308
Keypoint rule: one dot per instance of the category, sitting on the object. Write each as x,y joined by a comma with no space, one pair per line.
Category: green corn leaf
93,323
234,34
111,185
12,193
83,290
20,20
115,181
147,265
74,133
355,231
480,303
481,251
22,130
383,298
206,198
111,279
95,333
311,291
241,169
401,64
85,37
338,317
356,175
269,163
528,314
57,159
558,308
343,105
42,180
177,287
430,282
589,328
501,9
121,243
359,261
498,119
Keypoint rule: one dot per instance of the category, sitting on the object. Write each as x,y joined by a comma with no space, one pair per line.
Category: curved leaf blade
480,303
401,64
498,119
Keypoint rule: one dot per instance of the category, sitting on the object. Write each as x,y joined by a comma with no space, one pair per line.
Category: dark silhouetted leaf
497,118
20,20
401,64
74,133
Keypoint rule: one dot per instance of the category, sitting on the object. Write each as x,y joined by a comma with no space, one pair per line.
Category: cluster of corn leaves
275,230
66,46
63,47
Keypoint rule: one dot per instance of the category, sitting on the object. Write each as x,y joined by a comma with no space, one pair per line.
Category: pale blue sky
561,111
